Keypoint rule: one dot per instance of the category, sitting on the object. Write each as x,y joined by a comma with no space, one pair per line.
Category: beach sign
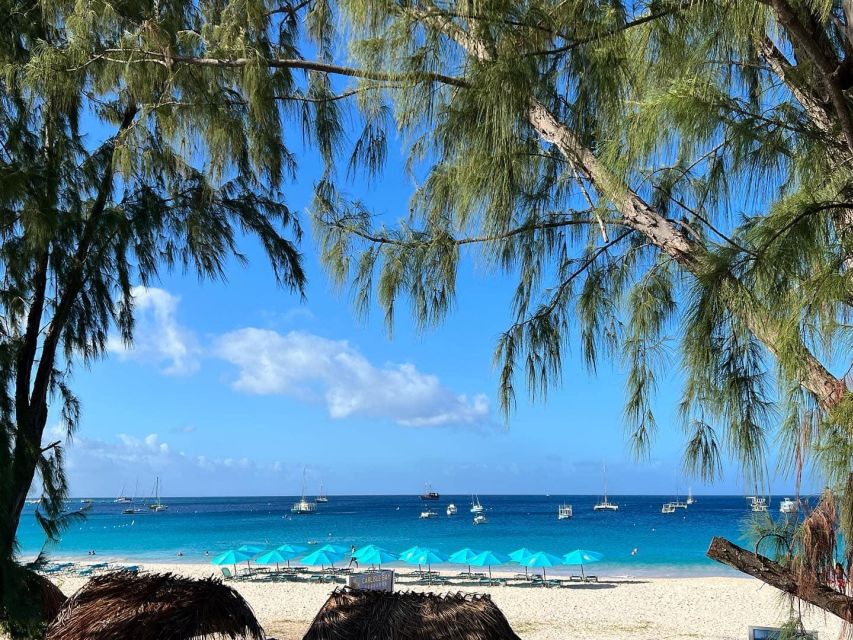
382,580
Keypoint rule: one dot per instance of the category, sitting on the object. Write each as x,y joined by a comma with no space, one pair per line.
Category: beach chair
592,579
226,573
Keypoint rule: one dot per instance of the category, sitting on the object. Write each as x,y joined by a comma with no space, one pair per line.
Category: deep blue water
666,544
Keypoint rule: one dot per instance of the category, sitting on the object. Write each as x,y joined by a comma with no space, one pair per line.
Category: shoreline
639,608
618,572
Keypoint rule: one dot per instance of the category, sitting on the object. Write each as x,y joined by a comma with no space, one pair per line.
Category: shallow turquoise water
667,545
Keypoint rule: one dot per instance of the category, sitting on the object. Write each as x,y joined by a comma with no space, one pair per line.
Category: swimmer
634,551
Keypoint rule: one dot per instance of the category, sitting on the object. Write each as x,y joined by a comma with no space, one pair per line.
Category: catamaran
429,494
476,507
157,505
322,497
303,506
564,512
605,505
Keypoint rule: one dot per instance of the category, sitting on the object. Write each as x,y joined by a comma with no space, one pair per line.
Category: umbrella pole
582,574
490,575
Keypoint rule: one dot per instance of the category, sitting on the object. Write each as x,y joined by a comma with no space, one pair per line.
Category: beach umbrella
487,559
272,557
251,548
543,560
322,557
409,552
463,556
290,551
377,556
232,557
364,550
580,556
520,556
427,556
335,548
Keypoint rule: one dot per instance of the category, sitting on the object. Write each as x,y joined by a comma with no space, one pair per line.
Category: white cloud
158,337
309,366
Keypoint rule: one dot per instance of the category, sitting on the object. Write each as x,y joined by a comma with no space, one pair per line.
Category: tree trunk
776,575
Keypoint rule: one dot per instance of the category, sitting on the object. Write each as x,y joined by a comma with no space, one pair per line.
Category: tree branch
776,575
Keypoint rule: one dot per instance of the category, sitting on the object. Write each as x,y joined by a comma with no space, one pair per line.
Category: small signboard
773,633
382,580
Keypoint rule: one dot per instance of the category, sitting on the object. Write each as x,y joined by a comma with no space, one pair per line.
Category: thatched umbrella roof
381,615
126,606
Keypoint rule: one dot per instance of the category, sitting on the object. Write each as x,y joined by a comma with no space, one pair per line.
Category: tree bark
774,574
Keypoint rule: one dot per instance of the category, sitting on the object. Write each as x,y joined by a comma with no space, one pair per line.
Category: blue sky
233,388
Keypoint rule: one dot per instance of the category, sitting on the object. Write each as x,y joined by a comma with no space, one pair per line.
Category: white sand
653,609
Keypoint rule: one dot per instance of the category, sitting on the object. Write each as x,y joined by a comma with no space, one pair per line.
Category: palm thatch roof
379,615
127,606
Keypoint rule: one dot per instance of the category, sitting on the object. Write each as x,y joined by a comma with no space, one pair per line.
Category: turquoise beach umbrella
520,556
427,556
487,559
232,557
543,560
364,551
272,557
580,556
322,557
377,556
463,556
292,548
408,553
250,548
334,548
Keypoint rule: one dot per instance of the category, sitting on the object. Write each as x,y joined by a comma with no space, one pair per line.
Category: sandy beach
640,609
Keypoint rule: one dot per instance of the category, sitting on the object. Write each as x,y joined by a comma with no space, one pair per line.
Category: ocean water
666,545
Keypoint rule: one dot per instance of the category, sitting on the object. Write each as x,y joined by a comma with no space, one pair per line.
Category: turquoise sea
666,545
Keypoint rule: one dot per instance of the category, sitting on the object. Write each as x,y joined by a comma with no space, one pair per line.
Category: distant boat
158,505
429,494
605,505
690,499
303,507
480,519
429,513
564,512
476,507
122,499
87,501
322,497
133,509
668,507
788,506
451,509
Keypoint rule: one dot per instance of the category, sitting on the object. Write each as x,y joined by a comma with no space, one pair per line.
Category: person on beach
352,558
838,575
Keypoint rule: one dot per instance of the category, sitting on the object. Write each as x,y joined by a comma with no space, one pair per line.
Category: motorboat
451,509
564,512
480,519
428,514
788,506
667,507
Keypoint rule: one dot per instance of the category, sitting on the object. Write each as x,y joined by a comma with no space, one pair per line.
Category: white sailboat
605,505
122,499
132,509
690,499
451,509
157,505
303,506
476,507
322,497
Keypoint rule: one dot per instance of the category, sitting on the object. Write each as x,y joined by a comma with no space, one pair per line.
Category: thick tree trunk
776,575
